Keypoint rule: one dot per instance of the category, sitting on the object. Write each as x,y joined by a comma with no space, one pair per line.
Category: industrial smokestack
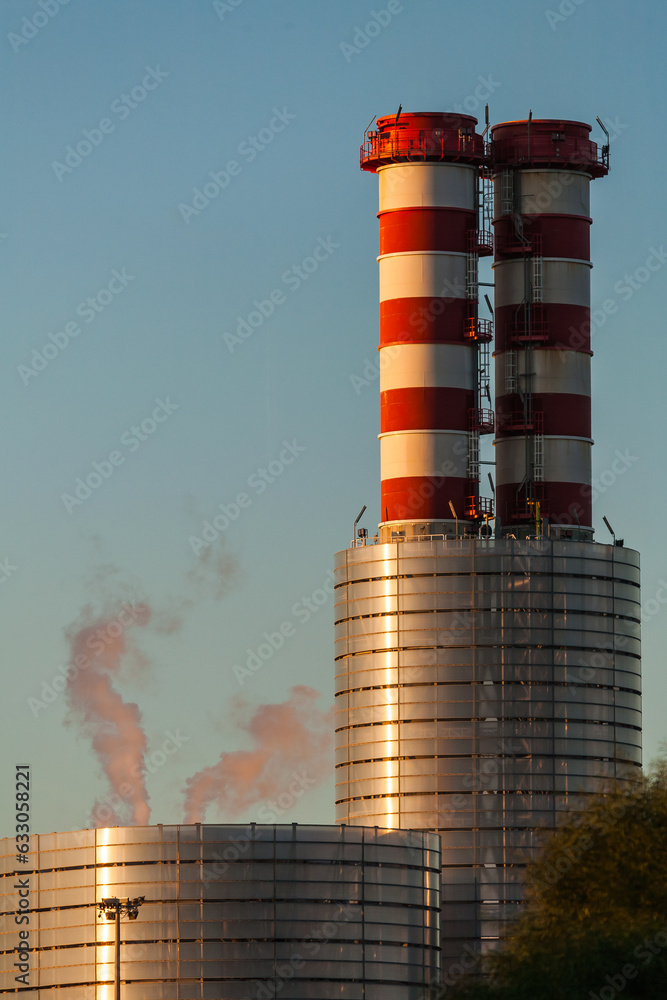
542,172
484,685
433,347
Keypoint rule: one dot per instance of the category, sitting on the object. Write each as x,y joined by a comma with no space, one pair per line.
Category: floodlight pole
360,514
116,977
451,507
115,906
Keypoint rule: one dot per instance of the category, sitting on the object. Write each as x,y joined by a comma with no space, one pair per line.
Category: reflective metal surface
230,912
483,687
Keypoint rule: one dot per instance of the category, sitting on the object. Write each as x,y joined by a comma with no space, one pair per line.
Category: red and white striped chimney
428,167
542,173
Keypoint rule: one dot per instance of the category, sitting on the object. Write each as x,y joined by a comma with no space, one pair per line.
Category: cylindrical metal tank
299,912
542,173
428,171
482,688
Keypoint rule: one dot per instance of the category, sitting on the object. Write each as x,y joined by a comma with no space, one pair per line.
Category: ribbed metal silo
297,912
483,687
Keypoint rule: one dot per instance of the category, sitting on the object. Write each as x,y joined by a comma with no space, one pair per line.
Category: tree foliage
595,922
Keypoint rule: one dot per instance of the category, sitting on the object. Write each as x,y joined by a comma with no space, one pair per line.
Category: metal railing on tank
485,533
400,144
540,149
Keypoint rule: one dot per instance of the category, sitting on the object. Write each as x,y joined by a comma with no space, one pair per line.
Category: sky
168,168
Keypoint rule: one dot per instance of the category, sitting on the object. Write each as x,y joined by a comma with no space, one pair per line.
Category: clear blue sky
209,81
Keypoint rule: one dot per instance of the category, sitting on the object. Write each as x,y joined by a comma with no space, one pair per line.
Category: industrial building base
483,688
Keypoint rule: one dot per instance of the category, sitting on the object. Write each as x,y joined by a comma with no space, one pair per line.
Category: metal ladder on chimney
472,274
484,371
536,283
485,201
507,192
511,373
473,456
538,449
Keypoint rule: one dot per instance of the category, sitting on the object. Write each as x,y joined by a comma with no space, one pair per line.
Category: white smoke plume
100,646
289,736
113,726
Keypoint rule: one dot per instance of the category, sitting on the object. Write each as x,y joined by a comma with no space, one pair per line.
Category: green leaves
595,921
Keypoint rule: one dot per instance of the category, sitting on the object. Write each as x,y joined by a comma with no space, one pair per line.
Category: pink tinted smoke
293,736
113,726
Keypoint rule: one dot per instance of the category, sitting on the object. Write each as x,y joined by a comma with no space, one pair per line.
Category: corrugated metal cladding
298,912
483,687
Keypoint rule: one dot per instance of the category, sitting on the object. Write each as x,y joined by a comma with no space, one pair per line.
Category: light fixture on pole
620,541
451,507
358,518
111,908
